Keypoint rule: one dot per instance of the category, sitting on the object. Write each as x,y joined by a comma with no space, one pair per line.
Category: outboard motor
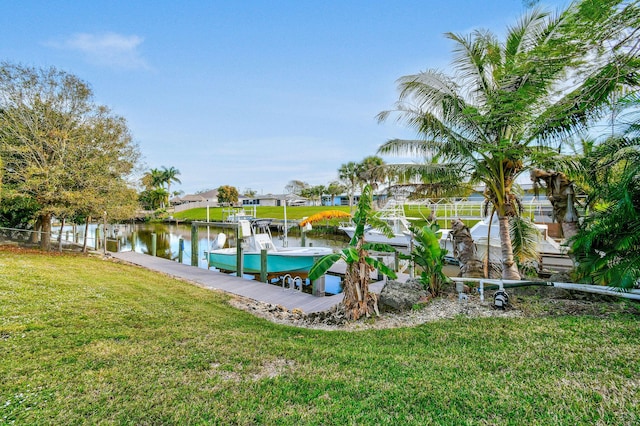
500,299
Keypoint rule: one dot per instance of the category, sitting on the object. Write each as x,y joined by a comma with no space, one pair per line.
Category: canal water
138,237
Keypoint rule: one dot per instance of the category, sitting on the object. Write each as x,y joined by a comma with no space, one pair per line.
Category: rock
402,296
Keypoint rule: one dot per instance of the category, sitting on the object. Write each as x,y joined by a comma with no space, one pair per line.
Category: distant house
274,200
192,201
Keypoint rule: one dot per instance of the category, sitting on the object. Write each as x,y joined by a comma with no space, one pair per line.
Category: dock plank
214,280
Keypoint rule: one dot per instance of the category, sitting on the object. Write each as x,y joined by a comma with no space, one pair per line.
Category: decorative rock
402,296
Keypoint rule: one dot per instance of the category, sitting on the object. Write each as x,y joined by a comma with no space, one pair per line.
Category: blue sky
247,93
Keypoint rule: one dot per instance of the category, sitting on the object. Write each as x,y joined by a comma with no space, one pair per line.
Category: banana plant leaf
380,266
323,264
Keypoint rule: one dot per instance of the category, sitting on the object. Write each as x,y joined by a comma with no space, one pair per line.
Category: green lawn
217,214
87,341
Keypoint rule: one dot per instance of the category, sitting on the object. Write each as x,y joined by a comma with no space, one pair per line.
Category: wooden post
180,249
263,265
104,236
97,236
303,239
239,256
318,287
154,243
194,245
134,235
239,261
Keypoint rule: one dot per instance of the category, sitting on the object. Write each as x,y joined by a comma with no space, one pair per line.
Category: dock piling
194,245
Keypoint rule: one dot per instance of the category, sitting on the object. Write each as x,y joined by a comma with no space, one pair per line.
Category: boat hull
374,236
299,259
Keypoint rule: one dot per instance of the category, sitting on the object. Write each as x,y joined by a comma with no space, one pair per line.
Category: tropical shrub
429,257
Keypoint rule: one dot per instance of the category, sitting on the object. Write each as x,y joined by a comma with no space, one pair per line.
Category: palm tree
607,247
502,110
358,301
170,175
334,189
348,173
157,197
152,179
371,171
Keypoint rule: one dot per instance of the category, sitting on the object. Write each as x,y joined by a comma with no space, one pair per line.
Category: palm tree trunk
509,267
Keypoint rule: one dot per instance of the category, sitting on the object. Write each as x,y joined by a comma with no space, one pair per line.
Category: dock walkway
252,289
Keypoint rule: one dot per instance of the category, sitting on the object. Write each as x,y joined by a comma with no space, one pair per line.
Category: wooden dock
256,290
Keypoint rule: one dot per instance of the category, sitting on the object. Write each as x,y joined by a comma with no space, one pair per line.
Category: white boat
257,237
552,254
236,214
393,214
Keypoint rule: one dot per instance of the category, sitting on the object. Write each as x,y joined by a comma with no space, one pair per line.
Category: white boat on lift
256,237
393,214
552,254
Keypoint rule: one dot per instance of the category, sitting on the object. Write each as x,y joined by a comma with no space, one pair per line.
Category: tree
170,175
607,246
334,189
510,104
314,193
157,197
358,301
60,149
371,171
227,195
153,178
296,187
348,174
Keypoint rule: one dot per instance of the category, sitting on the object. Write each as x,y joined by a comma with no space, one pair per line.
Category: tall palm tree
510,103
170,175
348,174
371,171
334,189
154,178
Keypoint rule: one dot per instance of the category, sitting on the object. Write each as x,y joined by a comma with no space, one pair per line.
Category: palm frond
524,239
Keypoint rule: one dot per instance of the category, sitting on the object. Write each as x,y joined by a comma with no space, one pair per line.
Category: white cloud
109,49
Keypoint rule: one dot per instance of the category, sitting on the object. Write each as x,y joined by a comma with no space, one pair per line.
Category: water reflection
138,237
